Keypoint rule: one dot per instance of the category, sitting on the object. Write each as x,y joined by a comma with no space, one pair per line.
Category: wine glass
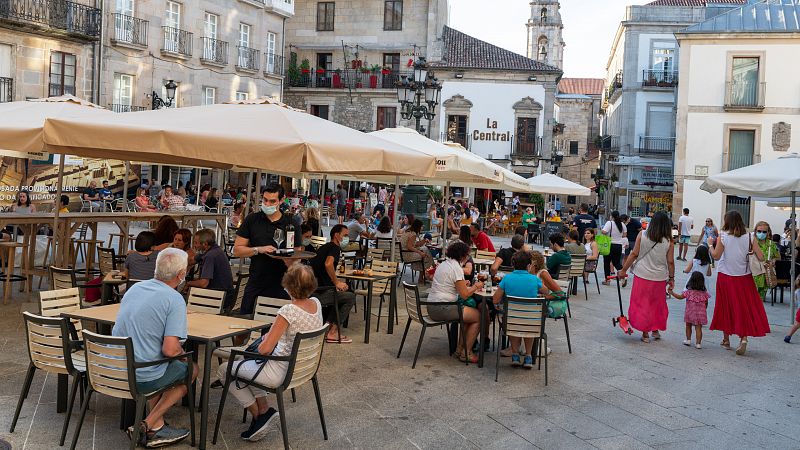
278,237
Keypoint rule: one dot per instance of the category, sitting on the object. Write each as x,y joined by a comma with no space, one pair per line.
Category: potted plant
293,72
305,66
337,78
355,64
320,71
386,70
373,78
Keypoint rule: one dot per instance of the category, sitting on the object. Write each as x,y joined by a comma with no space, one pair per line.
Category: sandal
336,340
656,335
473,358
742,348
726,344
645,339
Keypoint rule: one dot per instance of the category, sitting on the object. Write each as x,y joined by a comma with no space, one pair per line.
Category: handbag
603,244
756,265
769,270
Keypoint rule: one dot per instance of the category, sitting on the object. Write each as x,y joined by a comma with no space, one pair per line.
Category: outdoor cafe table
109,283
29,223
482,264
370,280
205,329
484,296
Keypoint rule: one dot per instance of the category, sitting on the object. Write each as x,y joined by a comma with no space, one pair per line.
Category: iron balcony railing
273,64
248,58
659,78
656,145
57,14
609,144
214,50
459,138
522,147
120,108
614,85
745,94
177,41
344,78
56,89
6,89
130,30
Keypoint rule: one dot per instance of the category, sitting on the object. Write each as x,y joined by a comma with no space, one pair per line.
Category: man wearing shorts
685,225
153,314
341,203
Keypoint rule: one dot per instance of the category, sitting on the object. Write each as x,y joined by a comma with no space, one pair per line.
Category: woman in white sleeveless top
653,273
738,309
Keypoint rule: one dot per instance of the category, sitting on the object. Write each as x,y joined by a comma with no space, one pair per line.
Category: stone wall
579,117
359,114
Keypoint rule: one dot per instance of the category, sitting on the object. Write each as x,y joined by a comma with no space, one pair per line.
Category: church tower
545,42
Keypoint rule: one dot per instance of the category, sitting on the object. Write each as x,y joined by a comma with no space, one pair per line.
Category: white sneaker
687,343
698,346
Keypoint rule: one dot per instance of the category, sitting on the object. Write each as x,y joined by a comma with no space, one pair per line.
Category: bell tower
545,42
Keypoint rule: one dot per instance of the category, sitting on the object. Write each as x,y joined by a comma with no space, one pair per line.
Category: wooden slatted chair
576,273
111,370
106,260
66,278
385,245
206,301
241,282
51,348
525,318
303,366
564,282
591,267
318,241
381,289
374,254
56,302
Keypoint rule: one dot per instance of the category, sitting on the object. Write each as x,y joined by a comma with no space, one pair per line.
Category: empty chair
51,349
65,278
206,301
111,370
106,260
241,282
374,254
525,318
56,302
576,273
385,245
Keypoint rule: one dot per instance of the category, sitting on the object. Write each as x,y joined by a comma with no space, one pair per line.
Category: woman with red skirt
739,309
653,273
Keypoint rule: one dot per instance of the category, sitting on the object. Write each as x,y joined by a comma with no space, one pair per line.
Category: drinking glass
278,237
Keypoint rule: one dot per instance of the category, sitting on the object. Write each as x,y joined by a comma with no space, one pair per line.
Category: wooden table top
376,276
201,327
483,262
110,279
483,293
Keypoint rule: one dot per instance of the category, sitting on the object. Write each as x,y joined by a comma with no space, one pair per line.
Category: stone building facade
344,58
545,40
48,48
215,51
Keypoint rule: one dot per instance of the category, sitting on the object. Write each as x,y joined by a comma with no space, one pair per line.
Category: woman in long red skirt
653,272
739,309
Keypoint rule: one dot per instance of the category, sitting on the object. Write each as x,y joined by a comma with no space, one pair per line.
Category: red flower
410,62
321,71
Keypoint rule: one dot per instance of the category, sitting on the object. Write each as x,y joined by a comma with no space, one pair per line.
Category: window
172,20
543,15
744,82
271,39
245,57
663,59
526,136
457,129
240,96
62,73
542,46
571,199
125,7
210,44
123,92
324,63
393,15
734,203
209,95
573,150
321,111
387,117
210,25
173,15
325,14
742,145
391,61
6,82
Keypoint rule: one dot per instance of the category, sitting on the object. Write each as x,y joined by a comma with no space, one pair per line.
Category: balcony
74,19
659,78
130,31
465,140
120,108
744,96
283,8
344,78
273,64
247,59
177,42
6,89
526,148
614,86
651,145
609,144
215,52
55,89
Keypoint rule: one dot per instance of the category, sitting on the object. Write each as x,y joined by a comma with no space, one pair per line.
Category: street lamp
158,102
419,94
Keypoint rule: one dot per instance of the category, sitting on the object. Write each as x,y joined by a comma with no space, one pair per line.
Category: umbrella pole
247,194
792,257
196,197
446,209
396,217
57,247
125,184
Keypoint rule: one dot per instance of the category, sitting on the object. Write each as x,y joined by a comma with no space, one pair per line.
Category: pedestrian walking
770,251
686,224
738,309
653,268
618,233
701,262
696,296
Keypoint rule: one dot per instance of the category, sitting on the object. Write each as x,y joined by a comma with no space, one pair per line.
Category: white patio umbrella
552,184
775,179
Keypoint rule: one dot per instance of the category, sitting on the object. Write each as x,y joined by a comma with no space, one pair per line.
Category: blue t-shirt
521,283
149,311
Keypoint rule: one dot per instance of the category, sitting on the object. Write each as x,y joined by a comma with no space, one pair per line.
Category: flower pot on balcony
305,71
337,81
373,81
386,71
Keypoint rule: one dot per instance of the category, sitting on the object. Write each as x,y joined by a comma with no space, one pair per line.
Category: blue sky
589,28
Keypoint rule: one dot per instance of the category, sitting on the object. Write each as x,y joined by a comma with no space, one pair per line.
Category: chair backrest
380,267
318,241
54,303
374,254
267,309
384,244
106,260
206,301
485,254
413,308
564,271
241,282
305,357
590,266
62,278
109,365
577,265
325,211
47,348
525,317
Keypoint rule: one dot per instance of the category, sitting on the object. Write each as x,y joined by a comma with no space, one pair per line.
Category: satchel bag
756,265
603,244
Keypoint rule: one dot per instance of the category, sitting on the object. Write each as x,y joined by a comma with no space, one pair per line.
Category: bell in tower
545,41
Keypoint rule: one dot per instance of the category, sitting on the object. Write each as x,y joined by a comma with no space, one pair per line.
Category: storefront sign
34,156
441,165
492,135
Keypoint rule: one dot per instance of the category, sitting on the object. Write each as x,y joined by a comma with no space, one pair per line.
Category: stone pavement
612,392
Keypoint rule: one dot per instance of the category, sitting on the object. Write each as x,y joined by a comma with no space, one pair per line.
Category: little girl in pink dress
696,297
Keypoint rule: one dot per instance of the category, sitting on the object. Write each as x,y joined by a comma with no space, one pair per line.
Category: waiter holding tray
262,236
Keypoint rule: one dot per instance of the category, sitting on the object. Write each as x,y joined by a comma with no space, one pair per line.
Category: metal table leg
392,306
205,392
368,306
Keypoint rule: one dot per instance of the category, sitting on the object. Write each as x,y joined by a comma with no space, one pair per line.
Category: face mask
345,242
306,242
269,210
761,235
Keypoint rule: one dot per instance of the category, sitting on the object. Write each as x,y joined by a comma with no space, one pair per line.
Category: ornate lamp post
158,102
419,94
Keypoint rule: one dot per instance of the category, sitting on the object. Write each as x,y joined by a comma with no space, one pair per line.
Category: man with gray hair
214,269
153,314
357,228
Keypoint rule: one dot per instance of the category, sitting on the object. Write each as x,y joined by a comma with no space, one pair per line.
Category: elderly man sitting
215,270
153,314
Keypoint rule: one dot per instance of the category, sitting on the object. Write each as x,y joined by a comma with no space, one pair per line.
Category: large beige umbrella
262,135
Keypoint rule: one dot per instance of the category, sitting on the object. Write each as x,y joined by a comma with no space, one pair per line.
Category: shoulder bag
756,265
603,244
770,276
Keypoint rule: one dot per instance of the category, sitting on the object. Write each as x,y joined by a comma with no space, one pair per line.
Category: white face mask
269,210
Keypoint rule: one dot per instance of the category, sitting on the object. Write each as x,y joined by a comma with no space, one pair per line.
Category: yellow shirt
554,219
63,210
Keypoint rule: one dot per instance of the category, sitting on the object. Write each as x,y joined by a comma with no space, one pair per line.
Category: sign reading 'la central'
491,135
